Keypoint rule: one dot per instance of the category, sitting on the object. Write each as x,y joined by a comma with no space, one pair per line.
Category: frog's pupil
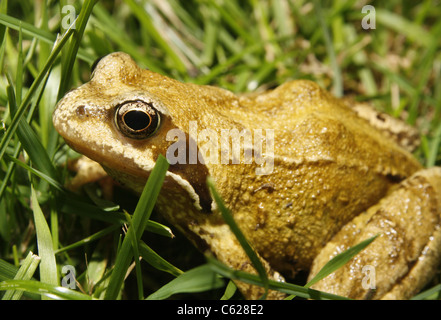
137,120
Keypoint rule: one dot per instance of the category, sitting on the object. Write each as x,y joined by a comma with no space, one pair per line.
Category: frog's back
311,125
329,165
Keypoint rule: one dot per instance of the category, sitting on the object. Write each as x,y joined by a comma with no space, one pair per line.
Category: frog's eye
137,119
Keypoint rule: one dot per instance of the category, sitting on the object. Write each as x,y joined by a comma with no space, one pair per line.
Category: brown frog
304,175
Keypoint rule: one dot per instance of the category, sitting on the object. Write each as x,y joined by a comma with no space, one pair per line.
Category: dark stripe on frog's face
196,175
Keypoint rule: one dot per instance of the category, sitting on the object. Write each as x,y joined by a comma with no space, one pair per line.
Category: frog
310,176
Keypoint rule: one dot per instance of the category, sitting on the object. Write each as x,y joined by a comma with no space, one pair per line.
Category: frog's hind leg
398,263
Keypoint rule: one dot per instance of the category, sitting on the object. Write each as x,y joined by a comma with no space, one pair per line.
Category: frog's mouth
134,177
127,167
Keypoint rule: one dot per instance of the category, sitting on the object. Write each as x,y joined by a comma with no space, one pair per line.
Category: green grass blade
402,25
231,16
199,279
38,33
432,293
339,260
25,272
434,147
72,49
239,235
27,28
96,270
48,291
139,222
131,235
48,266
105,22
229,291
93,237
7,270
158,228
338,80
31,143
106,205
150,194
285,287
237,45
32,90
72,203
145,20
156,260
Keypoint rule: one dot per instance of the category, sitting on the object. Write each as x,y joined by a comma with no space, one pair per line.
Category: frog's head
121,118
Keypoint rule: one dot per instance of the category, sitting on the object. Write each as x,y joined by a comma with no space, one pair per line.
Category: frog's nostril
81,111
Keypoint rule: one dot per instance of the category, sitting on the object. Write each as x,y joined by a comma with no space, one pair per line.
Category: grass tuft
242,46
